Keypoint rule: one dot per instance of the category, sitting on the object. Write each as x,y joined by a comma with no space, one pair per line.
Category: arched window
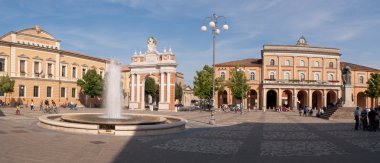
361,79
223,75
331,65
271,75
302,63
331,77
316,64
287,63
272,62
287,76
302,76
252,76
316,76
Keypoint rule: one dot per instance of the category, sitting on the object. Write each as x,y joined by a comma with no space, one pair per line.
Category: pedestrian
305,111
364,119
32,105
371,117
356,116
41,105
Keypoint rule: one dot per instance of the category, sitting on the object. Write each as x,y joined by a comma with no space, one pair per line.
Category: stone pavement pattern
251,137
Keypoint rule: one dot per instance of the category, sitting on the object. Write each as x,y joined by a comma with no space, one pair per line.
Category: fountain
113,121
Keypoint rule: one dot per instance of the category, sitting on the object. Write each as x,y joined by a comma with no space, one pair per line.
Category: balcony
22,73
300,82
50,76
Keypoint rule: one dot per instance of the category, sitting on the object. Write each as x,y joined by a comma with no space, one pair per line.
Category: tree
91,84
6,85
178,92
238,84
373,89
203,83
150,87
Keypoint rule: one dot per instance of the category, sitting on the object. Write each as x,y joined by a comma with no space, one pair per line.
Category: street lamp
242,90
213,25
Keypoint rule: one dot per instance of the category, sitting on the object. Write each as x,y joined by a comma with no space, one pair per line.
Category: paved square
250,137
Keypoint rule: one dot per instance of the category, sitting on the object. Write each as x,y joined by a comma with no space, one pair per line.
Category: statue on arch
152,44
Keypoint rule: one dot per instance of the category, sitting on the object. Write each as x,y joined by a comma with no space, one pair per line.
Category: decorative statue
152,44
346,75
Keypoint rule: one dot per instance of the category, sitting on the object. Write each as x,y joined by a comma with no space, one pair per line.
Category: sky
118,28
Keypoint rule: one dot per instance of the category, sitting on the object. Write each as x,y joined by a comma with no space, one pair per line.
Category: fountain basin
132,125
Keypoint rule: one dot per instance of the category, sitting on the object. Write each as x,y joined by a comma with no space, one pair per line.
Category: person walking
356,115
364,119
371,117
32,105
41,108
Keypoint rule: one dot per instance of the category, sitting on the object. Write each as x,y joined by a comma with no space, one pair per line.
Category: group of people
367,119
305,111
45,105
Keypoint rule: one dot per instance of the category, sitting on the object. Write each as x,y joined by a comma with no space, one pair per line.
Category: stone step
344,113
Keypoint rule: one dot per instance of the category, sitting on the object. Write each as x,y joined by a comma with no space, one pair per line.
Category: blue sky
116,28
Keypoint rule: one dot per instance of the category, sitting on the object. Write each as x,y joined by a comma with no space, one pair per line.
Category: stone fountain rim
176,124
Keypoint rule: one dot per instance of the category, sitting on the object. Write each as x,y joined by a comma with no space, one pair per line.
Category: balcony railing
301,82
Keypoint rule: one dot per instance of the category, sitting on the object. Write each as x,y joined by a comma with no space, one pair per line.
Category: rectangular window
22,68
83,72
73,92
63,92
2,65
101,73
63,71
37,69
50,70
48,92
21,91
74,72
36,91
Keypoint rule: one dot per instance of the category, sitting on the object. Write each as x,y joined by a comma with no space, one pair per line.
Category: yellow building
42,70
297,75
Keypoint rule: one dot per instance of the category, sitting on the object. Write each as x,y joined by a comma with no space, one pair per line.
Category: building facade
42,70
296,76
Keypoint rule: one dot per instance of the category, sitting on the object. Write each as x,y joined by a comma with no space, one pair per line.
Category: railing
301,82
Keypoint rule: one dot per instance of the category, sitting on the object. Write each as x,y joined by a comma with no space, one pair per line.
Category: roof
66,52
244,62
356,67
125,68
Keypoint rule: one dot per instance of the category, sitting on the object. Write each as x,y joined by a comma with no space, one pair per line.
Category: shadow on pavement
257,142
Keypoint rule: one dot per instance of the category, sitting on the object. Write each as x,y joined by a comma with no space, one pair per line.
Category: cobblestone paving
251,137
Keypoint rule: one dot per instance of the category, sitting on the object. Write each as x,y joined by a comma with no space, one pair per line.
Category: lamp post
213,24
242,90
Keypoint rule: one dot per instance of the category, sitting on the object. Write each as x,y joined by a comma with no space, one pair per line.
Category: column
324,98
310,99
168,87
133,88
264,105
138,88
294,100
162,87
279,67
323,69
294,67
263,69
338,76
279,98
13,61
309,68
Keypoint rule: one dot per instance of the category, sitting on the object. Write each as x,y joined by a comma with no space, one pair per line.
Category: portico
160,66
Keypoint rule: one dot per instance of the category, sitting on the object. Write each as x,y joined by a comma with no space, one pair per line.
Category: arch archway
222,98
317,101
286,99
361,100
271,99
302,98
154,97
252,99
331,98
